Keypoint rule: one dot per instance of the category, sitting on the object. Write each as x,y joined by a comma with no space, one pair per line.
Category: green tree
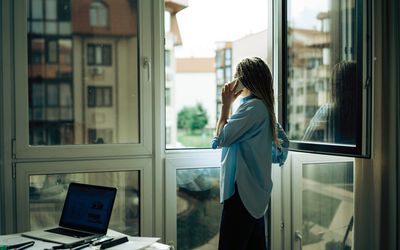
192,118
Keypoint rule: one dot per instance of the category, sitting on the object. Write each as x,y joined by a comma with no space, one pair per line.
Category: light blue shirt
247,155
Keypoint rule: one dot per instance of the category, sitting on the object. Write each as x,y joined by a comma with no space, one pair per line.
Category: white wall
251,45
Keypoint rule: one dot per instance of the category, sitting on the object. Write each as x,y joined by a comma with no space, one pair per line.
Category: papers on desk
13,239
134,243
131,245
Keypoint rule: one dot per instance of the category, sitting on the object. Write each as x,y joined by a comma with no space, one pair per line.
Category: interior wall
377,179
1,128
7,199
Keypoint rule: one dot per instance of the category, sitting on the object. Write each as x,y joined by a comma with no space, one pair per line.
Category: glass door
322,202
204,41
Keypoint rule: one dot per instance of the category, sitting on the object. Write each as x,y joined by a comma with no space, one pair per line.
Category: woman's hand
228,94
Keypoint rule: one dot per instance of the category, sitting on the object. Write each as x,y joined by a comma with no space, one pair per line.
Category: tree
192,118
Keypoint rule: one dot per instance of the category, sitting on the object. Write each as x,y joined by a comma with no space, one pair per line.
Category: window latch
147,64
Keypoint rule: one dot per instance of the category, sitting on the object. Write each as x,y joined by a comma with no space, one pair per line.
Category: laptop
85,215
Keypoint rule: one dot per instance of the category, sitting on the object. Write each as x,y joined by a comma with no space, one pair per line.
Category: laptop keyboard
72,233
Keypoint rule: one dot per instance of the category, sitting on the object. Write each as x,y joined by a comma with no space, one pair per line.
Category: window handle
147,64
299,237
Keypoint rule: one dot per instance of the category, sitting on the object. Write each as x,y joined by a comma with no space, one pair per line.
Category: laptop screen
88,208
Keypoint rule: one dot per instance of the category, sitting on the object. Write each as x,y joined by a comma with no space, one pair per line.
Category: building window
167,58
64,10
228,57
100,136
99,54
98,14
52,51
167,96
99,96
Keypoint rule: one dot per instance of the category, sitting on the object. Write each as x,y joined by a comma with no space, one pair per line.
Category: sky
205,22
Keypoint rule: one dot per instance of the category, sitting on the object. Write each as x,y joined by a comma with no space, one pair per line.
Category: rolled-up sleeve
279,154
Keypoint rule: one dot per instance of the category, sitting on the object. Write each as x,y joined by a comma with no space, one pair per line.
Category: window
99,54
99,96
66,67
53,118
100,136
200,66
37,9
200,187
98,14
51,9
49,17
64,10
322,203
228,57
167,58
47,194
52,51
326,63
50,101
167,96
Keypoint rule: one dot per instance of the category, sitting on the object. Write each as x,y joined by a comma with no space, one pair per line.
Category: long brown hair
256,76
345,89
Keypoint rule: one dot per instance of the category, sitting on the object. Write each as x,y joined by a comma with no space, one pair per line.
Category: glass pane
328,204
37,27
52,52
322,80
47,194
65,95
37,9
200,62
52,95
66,52
64,28
51,9
51,27
198,208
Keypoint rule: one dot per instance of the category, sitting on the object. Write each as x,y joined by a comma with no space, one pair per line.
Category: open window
326,76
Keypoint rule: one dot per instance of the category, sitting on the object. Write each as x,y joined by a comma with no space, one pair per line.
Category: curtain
377,179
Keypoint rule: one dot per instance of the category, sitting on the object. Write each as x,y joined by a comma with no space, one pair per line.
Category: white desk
135,243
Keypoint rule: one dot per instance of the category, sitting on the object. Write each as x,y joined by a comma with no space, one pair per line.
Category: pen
114,242
21,245
28,244
81,246
101,241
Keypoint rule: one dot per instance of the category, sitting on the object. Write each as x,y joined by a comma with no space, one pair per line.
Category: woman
246,138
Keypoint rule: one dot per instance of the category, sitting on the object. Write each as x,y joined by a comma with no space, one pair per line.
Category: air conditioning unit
96,71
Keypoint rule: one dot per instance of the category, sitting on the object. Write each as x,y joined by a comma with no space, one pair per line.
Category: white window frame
25,170
183,159
22,147
289,208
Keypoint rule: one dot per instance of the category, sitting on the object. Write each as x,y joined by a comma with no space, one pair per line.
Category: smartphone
239,86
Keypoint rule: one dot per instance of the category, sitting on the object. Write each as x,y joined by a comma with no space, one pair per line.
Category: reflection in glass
328,206
66,55
323,87
98,14
47,194
198,208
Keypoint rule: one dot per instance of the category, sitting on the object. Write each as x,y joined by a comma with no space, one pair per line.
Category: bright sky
205,22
